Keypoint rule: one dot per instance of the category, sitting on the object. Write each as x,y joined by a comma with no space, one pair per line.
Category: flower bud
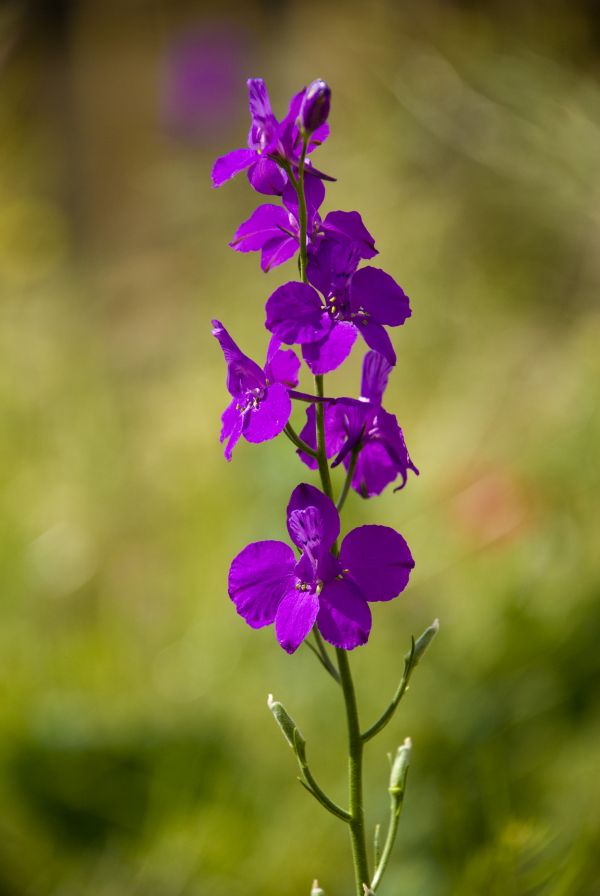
314,110
288,727
400,768
422,643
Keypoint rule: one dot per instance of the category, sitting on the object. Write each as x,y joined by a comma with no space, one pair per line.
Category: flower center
251,399
309,587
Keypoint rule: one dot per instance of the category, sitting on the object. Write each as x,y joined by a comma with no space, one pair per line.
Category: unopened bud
422,643
400,768
314,110
289,729
316,889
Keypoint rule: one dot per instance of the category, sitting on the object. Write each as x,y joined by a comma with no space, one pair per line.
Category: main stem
356,821
355,741
355,755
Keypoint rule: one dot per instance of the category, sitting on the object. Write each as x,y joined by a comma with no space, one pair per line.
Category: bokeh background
137,755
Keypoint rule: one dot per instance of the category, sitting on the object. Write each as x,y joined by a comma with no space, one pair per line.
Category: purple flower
268,584
270,143
355,301
261,405
363,427
314,110
275,231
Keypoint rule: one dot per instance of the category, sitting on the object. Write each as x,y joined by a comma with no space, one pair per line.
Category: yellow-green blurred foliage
137,754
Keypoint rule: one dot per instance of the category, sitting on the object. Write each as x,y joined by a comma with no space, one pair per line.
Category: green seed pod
400,768
288,727
422,643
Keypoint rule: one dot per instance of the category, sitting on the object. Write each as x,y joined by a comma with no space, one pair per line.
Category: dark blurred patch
88,791
84,793
52,17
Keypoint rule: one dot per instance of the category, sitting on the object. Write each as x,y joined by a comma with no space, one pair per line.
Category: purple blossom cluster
336,298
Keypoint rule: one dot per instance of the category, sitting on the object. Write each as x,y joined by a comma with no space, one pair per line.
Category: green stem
348,480
308,782
302,216
321,654
304,396
385,717
298,442
321,452
325,656
411,660
356,820
396,790
395,809
355,751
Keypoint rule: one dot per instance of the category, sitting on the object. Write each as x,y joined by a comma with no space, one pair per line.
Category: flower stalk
356,818
320,593
396,790
411,659
320,651
297,441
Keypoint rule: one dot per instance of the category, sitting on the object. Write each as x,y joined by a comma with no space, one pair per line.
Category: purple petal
344,616
294,314
268,229
264,124
375,372
229,165
328,567
319,265
282,366
383,455
243,373
305,496
271,415
347,423
295,618
314,192
258,100
294,107
318,137
308,434
374,470
232,426
259,578
267,222
377,338
266,177
380,296
392,438
345,258
335,431
379,561
349,226
331,263
310,169
306,567
288,135
277,251
327,354
344,422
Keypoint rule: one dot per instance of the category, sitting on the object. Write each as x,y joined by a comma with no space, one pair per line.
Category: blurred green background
137,754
